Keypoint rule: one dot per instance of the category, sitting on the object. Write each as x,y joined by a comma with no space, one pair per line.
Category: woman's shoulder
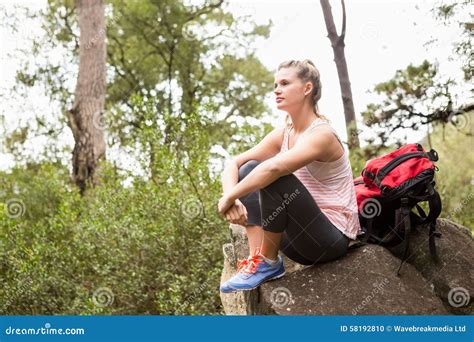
276,136
321,125
326,133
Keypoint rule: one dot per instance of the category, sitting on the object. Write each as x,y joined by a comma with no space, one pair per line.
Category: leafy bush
143,249
456,169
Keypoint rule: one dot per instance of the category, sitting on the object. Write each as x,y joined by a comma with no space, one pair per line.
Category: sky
381,37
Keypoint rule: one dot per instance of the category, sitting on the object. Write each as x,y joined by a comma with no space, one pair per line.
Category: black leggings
287,207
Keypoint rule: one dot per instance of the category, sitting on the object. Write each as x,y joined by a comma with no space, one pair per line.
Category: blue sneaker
253,272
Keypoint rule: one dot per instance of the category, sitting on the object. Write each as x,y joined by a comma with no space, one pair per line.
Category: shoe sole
253,288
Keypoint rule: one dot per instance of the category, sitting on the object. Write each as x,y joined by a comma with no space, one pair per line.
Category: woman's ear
308,88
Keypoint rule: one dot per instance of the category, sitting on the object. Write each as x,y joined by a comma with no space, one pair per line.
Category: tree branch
343,31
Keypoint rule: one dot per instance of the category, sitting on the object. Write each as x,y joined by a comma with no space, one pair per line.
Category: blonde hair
307,72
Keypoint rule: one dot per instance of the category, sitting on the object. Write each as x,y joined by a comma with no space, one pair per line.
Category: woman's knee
286,184
247,167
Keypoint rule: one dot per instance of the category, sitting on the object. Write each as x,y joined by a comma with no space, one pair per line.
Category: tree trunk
337,43
85,117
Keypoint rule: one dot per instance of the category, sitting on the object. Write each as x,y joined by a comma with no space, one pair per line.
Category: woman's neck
302,119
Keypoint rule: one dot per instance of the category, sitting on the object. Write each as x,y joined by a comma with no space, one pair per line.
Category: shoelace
250,264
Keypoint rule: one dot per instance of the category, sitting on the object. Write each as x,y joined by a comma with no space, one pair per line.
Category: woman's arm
262,175
230,176
267,148
312,147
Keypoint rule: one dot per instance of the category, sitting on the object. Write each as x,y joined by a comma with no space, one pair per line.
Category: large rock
362,282
452,277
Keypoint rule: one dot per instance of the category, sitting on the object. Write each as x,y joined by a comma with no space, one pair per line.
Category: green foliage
456,12
455,178
176,87
149,248
183,59
413,98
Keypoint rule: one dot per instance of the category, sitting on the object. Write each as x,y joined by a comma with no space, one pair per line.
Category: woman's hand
237,214
233,210
224,204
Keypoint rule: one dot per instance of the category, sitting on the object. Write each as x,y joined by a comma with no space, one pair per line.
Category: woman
294,190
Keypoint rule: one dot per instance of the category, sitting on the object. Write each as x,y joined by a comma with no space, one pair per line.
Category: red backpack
389,188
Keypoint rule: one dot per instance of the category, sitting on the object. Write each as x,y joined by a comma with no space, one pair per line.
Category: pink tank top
331,185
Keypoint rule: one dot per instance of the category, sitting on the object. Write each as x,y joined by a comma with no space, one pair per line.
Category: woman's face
289,89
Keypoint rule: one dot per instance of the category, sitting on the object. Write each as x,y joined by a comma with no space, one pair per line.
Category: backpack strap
434,202
385,170
435,209
405,221
421,211
369,230
432,155
419,219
